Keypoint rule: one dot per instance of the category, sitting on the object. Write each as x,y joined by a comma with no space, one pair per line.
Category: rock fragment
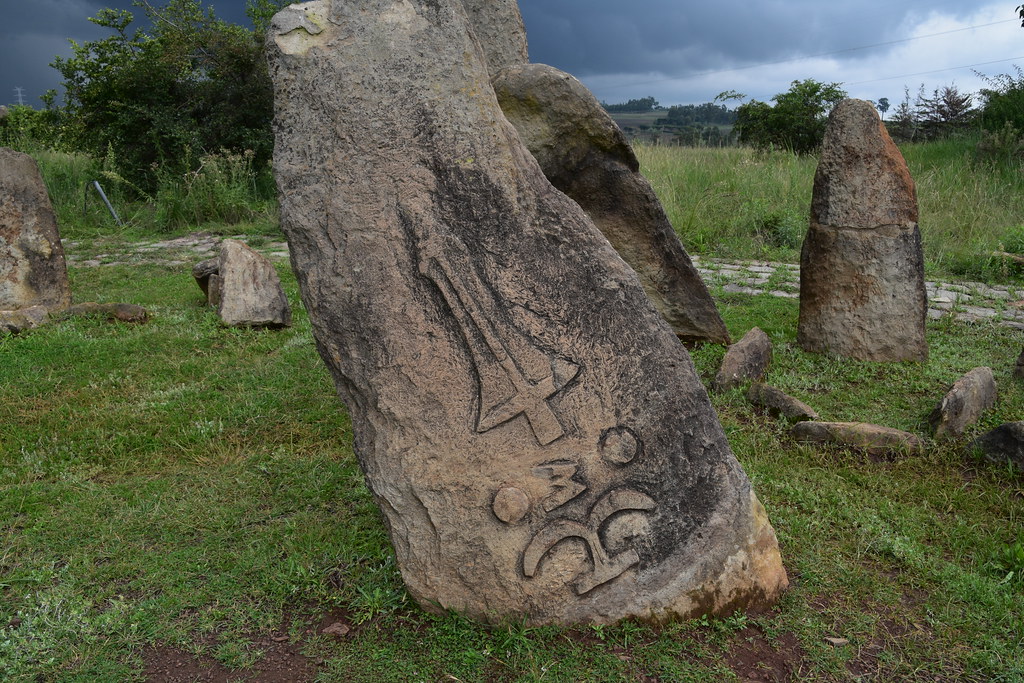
248,289
120,312
874,439
23,319
779,404
1003,445
745,361
862,291
964,403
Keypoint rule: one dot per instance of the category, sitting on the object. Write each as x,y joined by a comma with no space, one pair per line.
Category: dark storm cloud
676,38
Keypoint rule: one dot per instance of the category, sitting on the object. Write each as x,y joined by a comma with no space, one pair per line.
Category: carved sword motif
516,376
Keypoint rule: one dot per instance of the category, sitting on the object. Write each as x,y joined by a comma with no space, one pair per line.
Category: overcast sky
677,51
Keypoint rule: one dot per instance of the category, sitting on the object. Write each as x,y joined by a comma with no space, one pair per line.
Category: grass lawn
177,498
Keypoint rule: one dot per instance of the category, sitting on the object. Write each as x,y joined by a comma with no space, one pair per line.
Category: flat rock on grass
874,439
121,312
32,267
963,405
1004,444
779,403
745,361
23,319
250,292
585,155
535,435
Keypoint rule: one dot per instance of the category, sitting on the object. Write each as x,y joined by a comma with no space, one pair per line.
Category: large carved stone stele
33,271
534,434
862,292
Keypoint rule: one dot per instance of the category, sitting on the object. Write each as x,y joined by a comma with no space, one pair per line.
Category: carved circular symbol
510,505
619,445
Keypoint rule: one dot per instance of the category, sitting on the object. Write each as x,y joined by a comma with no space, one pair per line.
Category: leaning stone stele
247,289
32,267
584,154
536,437
862,292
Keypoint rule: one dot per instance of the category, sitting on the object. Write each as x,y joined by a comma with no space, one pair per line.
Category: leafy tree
796,121
882,105
904,123
188,85
1002,102
945,112
644,104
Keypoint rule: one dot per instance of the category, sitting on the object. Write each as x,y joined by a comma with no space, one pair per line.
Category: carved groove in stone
562,475
515,375
606,567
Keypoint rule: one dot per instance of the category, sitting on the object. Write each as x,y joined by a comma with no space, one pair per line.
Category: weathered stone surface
963,404
1018,370
498,25
121,312
779,403
23,319
32,267
584,154
746,361
871,438
536,437
204,272
862,292
248,289
1004,444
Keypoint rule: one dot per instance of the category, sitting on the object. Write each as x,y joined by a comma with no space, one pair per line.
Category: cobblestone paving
967,301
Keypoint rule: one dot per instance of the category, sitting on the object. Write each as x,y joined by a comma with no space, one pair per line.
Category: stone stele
32,267
585,155
536,437
862,292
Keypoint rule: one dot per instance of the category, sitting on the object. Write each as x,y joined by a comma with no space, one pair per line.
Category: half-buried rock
584,154
249,289
536,437
32,267
862,291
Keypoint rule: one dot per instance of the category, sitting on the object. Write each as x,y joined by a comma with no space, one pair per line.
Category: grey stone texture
584,154
249,292
862,292
963,405
205,274
745,361
874,439
498,25
1018,368
535,435
780,404
1003,445
32,267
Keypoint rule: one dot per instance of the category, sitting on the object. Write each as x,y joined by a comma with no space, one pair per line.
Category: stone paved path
968,301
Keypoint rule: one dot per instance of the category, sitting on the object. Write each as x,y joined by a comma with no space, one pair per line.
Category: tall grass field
180,501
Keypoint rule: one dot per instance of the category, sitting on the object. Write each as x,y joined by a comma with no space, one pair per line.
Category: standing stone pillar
862,292
33,271
537,439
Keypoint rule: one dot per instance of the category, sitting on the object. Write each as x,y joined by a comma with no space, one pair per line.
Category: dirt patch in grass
282,660
753,658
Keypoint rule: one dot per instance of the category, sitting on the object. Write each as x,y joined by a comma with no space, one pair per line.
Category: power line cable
822,54
936,71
